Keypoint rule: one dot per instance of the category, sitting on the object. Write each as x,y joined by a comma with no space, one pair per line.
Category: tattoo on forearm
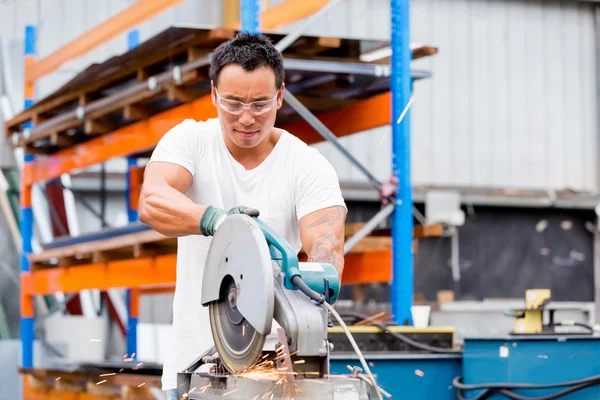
330,217
323,250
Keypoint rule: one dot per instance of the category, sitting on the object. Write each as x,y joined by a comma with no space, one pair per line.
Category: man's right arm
163,204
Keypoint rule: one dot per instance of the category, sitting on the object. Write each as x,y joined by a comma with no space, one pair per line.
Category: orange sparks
299,362
420,373
111,374
141,384
101,382
122,369
57,379
128,359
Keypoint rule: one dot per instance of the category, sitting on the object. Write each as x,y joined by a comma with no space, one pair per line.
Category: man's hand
322,234
213,217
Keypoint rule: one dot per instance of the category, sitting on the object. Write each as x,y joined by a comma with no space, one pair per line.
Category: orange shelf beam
370,267
137,13
144,135
139,273
153,275
361,116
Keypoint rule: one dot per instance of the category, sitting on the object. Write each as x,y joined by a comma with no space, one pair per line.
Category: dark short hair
250,51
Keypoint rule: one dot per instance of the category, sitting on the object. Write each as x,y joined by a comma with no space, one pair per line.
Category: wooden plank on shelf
119,247
87,380
419,231
430,230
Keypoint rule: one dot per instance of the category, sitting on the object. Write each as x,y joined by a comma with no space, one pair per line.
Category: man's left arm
322,235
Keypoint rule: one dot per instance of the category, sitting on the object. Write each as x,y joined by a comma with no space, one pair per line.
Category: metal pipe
327,134
369,227
402,220
81,112
337,67
291,37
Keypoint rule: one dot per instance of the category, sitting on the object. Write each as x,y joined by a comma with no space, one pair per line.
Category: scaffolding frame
149,275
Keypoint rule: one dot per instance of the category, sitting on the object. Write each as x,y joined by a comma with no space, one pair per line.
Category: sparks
111,374
141,384
299,362
101,382
228,393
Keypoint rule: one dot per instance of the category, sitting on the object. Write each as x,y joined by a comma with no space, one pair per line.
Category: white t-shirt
293,181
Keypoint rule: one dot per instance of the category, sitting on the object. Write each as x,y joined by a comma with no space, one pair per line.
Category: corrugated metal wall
512,102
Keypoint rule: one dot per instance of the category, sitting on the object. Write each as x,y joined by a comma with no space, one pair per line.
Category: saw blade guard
238,250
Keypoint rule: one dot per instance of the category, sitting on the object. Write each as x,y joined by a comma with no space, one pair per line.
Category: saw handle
289,260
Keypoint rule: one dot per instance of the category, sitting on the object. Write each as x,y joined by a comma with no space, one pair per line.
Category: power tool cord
399,336
355,346
320,300
505,388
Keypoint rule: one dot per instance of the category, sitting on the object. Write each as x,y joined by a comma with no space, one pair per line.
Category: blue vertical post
402,220
250,15
133,39
27,311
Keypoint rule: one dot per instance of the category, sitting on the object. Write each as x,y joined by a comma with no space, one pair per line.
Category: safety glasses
237,107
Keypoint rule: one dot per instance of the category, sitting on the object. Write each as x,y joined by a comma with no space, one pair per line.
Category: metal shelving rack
155,271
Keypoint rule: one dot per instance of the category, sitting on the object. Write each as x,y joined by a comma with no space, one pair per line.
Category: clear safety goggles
237,107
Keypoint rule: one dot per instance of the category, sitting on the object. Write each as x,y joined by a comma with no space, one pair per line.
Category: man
200,172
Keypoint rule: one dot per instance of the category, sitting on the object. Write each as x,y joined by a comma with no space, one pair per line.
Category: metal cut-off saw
252,276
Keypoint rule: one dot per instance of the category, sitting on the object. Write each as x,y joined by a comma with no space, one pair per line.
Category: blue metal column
27,311
133,39
402,220
250,15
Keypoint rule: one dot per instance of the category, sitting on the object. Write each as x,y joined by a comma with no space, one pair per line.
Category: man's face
247,126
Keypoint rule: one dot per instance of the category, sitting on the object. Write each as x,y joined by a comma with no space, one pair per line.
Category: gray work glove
213,217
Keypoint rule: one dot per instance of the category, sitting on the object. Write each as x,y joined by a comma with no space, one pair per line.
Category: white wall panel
61,21
512,102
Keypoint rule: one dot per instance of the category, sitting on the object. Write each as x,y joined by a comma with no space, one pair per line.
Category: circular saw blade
239,345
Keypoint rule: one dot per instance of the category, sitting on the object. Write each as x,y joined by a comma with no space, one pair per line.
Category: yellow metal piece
536,298
397,329
530,320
